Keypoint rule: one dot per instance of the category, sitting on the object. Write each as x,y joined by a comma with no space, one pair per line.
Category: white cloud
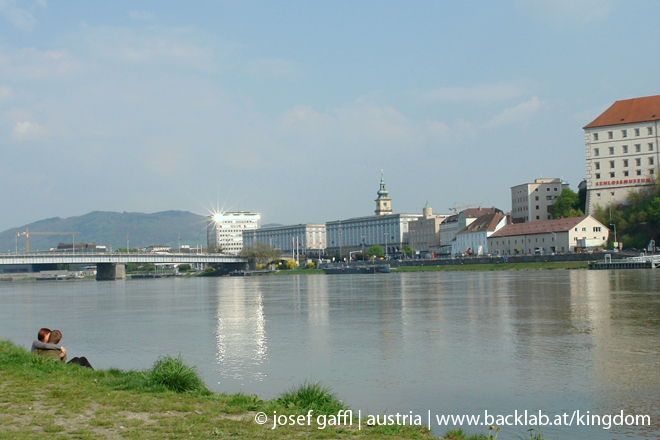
26,130
520,113
483,93
362,125
20,18
141,15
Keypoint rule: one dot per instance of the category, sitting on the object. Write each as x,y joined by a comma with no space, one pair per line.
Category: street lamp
362,248
385,234
612,224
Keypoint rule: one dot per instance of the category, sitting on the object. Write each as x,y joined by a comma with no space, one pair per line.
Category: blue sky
293,108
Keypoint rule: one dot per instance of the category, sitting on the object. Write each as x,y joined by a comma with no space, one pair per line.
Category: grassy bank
499,266
41,398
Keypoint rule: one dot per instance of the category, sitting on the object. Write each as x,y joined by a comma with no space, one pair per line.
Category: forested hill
111,228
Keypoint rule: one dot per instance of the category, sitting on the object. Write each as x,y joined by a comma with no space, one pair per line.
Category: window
651,171
537,217
597,194
612,175
638,161
625,174
595,136
537,206
555,189
624,133
597,164
638,148
637,132
650,161
536,198
611,151
639,172
650,130
536,189
596,228
596,152
610,135
625,162
611,164
625,149
597,175
651,146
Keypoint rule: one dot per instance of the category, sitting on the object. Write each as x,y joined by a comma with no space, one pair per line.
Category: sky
292,108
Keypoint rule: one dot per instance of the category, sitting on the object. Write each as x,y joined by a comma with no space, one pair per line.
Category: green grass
311,396
44,398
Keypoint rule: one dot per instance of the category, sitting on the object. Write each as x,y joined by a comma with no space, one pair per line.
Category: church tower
383,203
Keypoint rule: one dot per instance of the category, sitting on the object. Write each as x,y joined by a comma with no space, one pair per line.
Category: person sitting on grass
42,344
54,339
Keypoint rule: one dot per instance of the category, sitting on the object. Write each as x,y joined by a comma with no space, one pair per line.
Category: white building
560,235
388,230
306,238
621,149
473,239
452,224
225,230
532,202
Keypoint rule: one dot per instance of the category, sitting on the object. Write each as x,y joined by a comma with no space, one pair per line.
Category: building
307,239
388,230
454,223
621,149
473,239
531,202
424,234
560,235
383,202
225,230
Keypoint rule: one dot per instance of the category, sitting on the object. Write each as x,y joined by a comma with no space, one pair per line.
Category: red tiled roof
541,227
628,111
478,212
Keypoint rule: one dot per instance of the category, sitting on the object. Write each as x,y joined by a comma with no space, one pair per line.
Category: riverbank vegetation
637,221
42,397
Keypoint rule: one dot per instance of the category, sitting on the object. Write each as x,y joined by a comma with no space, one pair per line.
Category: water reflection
454,343
240,333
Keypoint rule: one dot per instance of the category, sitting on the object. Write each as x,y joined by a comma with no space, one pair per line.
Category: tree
408,251
375,251
215,249
567,205
260,253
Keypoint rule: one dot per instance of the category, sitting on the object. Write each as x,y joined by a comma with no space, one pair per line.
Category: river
427,343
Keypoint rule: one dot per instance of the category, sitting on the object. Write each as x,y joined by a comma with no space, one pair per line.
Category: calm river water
448,343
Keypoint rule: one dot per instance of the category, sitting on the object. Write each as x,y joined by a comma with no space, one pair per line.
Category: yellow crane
27,236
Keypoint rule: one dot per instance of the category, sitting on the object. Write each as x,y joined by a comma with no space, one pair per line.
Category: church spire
383,202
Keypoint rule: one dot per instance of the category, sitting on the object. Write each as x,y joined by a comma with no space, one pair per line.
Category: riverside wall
508,259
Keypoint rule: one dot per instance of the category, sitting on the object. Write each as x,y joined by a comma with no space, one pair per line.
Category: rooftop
629,111
540,227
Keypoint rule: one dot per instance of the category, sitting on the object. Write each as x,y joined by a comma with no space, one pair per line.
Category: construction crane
456,208
27,236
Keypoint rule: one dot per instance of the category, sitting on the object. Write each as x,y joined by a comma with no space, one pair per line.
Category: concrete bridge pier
110,271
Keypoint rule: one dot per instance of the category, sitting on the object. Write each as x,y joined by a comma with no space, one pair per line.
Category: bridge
112,266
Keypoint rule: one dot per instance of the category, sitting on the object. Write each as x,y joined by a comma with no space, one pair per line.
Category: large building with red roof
621,147
560,235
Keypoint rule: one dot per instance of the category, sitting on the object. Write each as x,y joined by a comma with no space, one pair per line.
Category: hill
111,228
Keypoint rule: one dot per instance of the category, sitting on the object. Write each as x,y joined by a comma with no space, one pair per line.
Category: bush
290,264
175,376
312,396
260,266
310,265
